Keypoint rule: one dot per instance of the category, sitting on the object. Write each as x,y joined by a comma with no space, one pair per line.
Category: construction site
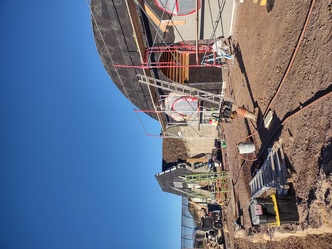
242,90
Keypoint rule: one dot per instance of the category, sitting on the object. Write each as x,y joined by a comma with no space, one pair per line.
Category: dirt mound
270,74
173,151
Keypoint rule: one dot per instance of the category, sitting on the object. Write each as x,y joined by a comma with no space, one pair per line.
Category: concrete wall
198,138
210,17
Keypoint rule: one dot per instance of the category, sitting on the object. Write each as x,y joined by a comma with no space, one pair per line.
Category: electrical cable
285,120
274,97
284,76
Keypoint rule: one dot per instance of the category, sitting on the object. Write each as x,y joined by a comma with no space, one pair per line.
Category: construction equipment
213,217
229,110
271,201
274,210
210,228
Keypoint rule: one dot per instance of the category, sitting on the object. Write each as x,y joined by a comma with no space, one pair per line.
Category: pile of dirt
279,68
173,150
296,86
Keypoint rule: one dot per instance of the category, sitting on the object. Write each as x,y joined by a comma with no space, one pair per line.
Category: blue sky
76,167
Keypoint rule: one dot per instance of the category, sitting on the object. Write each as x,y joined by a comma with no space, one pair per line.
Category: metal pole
197,20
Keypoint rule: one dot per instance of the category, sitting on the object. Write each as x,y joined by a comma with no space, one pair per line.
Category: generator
273,210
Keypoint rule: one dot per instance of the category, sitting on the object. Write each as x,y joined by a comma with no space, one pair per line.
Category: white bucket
245,148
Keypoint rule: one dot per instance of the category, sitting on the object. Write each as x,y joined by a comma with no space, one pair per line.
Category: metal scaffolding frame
202,48
209,57
217,184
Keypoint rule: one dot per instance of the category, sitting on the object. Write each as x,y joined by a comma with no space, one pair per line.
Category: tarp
180,107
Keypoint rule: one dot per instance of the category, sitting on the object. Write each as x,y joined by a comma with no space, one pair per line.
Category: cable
294,114
285,75
293,56
285,120
282,124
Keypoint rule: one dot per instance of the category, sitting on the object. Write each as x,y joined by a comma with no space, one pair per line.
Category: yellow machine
274,210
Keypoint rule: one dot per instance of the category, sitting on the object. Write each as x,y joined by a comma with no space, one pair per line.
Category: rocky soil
279,68
271,73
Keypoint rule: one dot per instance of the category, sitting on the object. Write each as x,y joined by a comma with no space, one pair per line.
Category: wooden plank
153,17
197,160
162,24
186,69
167,69
181,68
175,73
173,23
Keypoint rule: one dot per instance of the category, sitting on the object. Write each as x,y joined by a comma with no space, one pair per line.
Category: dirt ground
298,91
279,68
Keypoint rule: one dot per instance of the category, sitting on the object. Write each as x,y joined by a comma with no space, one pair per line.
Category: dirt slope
264,42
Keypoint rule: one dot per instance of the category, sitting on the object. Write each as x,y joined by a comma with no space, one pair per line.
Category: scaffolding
210,185
174,61
210,58
199,123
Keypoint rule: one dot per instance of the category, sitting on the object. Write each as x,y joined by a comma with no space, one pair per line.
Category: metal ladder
219,182
273,173
182,89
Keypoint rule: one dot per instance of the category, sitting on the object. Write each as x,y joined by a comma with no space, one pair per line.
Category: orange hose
283,80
